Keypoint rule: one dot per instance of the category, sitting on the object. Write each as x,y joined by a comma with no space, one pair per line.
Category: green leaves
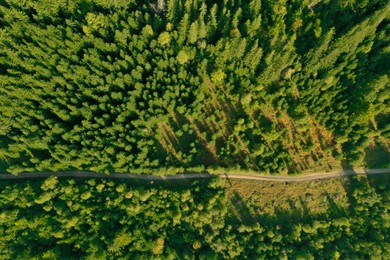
84,83
84,213
218,76
182,57
164,38
196,220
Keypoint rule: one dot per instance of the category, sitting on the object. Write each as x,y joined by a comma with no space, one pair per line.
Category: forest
105,219
191,85
177,86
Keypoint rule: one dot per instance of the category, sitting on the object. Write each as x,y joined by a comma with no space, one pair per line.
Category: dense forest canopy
184,85
103,219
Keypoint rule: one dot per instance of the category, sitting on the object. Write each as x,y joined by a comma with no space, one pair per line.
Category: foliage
189,85
103,219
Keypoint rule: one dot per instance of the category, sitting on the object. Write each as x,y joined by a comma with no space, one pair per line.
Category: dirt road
297,178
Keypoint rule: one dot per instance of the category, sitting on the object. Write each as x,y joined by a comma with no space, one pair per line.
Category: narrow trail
297,178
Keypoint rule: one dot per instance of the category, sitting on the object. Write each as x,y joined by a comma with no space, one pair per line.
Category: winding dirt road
297,178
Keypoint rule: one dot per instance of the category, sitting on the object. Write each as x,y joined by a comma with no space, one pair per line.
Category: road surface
296,178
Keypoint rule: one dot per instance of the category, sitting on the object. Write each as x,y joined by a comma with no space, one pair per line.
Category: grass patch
270,197
297,200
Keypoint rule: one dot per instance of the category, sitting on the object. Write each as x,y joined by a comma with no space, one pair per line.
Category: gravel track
295,178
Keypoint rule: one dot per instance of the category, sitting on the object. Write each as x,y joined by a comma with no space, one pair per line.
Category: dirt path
306,177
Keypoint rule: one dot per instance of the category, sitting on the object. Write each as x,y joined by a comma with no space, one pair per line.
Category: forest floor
275,200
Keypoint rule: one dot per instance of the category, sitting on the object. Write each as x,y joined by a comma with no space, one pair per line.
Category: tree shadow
346,180
241,213
298,212
381,184
345,165
377,157
377,181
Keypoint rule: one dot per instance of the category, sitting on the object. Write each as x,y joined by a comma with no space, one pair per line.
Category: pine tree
193,33
349,41
183,29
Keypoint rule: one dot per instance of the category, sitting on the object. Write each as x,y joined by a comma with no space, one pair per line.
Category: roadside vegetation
192,85
104,219
306,197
